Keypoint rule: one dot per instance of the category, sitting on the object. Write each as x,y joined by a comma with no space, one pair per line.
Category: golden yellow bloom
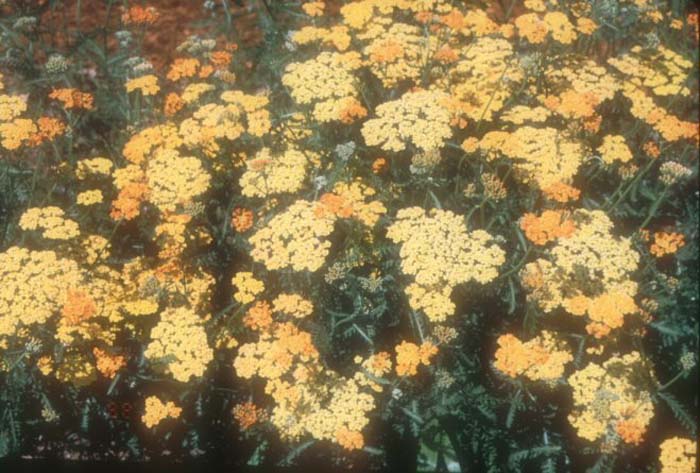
614,148
180,342
678,455
51,221
416,118
11,107
440,253
269,174
247,287
542,156
34,285
313,8
293,304
93,166
326,82
16,132
605,399
156,411
90,197
293,239
148,85
590,263
175,180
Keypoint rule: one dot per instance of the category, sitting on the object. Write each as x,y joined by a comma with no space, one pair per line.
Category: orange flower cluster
259,316
127,205
606,312
540,359
140,16
48,129
79,306
247,414
552,224
666,243
562,193
409,356
73,98
242,219
108,364
333,204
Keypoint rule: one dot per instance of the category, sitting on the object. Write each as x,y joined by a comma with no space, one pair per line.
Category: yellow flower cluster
349,200
535,28
90,197
247,287
149,140
14,131
438,251
661,70
157,411
483,80
417,118
307,399
179,341
614,148
175,180
34,285
543,358
678,455
93,166
148,85
11,107
292,304
293,239
213,121
51,221
541,156
587,273
268,175
326,82
336,36
607,402
396,52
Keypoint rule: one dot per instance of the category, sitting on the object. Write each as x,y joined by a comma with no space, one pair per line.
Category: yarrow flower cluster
157,411
542,358
607,402
588,273
179,341
439,252
417,118
293,239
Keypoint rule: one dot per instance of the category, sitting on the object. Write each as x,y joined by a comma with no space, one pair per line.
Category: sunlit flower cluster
294,238
156,411
608,402
439,252
542,358
180,342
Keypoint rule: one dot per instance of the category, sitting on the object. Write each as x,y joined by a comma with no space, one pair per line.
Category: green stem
655,207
